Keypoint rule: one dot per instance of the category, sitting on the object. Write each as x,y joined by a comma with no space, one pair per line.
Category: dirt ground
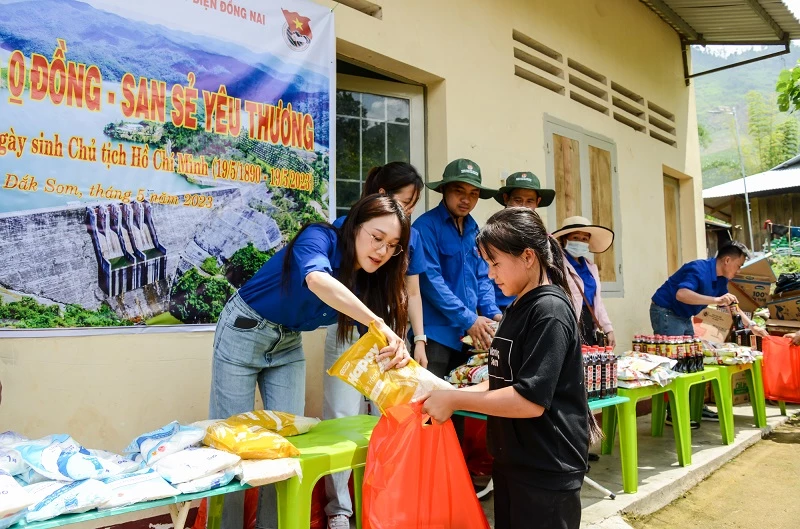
760,488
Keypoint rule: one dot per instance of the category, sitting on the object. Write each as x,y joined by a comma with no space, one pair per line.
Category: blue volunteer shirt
698,276
589,284
456,284
416,257
296,307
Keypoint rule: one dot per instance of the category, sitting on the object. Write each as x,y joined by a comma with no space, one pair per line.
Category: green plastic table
755,387
332,446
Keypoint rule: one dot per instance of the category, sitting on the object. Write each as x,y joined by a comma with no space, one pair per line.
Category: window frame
586,139
416,98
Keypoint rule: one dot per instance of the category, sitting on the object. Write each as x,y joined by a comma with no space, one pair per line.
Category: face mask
577,249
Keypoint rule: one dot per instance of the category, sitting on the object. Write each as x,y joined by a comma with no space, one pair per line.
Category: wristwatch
421,338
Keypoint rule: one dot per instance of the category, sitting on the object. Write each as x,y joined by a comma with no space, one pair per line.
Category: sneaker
709,415
694,425
340,521
484,494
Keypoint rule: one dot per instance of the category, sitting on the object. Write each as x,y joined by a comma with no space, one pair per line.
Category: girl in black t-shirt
535,400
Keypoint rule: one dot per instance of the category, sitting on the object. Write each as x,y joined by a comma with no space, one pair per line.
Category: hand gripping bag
416,476
359,367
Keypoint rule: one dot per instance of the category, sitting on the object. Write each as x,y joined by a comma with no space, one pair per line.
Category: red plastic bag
416,476
781,369
479,462
250,512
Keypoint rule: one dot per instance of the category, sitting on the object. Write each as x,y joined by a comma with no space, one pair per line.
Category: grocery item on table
30,477
359,367
54,498
213,481
643,366
60,457
474,371
258,472
282,423
248,442
167,440
194,463
13,498
11,519
468,339
599,371
11,462
9,438
143,485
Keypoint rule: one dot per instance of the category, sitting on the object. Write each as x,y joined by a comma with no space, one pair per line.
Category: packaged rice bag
194,463
166,440
11,438
13,498
11,462
359,367
248,442
60,457
214,481
142,485
282,423
54,498
256,473
10,519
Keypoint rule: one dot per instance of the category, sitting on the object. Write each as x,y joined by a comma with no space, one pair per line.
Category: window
376,122
583,168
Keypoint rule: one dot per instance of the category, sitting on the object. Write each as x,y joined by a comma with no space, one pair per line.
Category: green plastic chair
332,446
755,387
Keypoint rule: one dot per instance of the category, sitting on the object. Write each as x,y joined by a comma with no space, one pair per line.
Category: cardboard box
781,327
713,325
741,393
752,283
785,306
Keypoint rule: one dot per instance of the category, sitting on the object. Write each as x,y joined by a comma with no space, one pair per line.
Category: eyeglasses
379,244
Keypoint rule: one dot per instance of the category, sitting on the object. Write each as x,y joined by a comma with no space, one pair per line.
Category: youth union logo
296,31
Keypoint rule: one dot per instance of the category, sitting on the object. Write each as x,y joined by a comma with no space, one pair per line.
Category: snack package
54,498
142,485
60,457
248,442
194,463
359,367
282,423
166,440
262,472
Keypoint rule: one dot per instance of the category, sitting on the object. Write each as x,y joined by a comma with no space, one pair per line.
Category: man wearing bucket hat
457,295
580,239
521,189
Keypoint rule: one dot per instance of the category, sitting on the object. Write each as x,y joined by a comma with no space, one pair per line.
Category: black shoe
709,415
694,425
594,457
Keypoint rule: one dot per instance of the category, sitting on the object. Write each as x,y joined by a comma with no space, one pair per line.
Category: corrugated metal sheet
727,21
767,181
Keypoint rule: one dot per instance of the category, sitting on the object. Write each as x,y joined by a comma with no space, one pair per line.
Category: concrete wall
104,390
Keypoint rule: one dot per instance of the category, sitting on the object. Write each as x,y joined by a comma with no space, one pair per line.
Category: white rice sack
166,440
11,462
205,424
30,477
258,472
143,485
11,438
60,457
54,498
216,480
13,498
10,519
194,463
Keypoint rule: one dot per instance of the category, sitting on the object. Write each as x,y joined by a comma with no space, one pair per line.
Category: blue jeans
270,357
667,323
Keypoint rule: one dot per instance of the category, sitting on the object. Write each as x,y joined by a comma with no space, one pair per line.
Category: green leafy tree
704,136
210,266
199,299
245,262
774,139
27,313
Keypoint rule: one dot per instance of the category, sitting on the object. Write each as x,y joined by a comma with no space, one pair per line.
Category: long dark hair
393,177
384,291
512,231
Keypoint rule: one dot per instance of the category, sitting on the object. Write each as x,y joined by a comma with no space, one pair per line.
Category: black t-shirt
537,351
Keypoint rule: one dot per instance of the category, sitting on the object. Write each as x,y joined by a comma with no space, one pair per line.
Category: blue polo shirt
416,256
456,285
589,284
699,276
296,307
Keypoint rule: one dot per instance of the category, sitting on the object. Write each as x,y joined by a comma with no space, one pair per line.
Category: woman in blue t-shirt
402,182
319,278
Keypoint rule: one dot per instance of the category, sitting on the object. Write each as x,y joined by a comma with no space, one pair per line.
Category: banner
155,153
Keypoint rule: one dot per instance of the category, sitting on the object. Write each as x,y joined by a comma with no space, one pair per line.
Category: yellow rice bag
359,367
248,441
285,424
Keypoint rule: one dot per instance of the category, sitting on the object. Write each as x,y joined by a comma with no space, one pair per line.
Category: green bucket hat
526,180
462,170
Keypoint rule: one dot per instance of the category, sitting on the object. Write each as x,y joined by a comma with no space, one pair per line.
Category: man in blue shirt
521,190
457,294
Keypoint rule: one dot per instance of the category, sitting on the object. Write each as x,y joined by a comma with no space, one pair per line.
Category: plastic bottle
650,345
586,380
698,345
610,364
672,348
681,366
637,344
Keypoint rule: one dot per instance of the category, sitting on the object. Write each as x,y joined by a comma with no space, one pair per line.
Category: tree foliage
27,313
196,298
774,138
245,262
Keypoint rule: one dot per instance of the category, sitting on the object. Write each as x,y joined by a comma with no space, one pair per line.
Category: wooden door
672,221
